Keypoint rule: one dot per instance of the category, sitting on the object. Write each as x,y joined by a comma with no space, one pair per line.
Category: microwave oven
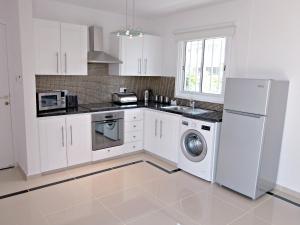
51,100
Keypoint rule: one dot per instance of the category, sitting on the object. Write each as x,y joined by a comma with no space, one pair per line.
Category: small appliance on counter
72,101
147,94
124,98
51,100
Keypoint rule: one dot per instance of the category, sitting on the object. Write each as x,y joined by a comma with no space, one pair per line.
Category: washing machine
198,148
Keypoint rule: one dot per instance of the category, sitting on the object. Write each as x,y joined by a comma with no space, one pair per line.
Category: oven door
107,134
49,101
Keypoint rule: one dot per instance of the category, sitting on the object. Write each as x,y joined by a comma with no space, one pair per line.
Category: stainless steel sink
185,109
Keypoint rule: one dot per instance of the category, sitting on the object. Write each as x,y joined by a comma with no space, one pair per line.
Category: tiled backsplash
98,86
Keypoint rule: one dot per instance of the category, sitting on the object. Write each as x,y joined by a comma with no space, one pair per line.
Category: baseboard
286,190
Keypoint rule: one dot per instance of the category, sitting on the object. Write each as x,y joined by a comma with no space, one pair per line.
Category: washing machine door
193,145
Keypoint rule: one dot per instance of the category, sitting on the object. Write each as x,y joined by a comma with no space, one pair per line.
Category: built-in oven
107,130
51,100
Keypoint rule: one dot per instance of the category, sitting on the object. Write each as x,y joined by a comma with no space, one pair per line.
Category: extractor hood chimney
96,53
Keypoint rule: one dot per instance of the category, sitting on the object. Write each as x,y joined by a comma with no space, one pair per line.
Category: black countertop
212,116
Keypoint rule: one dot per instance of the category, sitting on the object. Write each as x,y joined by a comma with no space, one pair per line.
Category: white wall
266,44
75,14
9,14
27,57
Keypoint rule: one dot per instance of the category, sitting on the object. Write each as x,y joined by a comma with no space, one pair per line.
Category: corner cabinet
60,48
141,56
161,134
64,141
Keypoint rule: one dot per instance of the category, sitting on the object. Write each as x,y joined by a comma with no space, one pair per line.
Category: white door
6,149
151,131
132,53
74,49
53,143
47,47
169,138
152,56
79,139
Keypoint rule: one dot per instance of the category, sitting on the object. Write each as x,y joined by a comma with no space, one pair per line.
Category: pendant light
130,31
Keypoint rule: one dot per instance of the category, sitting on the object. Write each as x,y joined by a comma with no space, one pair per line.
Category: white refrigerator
251,135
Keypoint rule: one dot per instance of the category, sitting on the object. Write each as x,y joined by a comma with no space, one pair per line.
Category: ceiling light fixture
130,31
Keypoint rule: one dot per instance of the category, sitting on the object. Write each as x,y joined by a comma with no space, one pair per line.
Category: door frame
4,23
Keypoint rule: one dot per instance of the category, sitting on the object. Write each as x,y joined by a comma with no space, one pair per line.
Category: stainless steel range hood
96,53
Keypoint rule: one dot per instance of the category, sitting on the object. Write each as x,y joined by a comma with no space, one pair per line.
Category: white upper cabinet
74,49
141,56
132,55
47,47
152,56
60,48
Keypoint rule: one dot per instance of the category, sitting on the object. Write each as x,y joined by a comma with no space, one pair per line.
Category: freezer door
239,153
247,95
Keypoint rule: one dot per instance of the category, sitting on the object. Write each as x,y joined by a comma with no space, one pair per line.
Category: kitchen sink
185,110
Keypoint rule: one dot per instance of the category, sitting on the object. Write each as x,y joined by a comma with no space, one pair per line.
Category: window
202,69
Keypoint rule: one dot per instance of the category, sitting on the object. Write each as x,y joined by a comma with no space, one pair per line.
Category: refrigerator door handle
243,113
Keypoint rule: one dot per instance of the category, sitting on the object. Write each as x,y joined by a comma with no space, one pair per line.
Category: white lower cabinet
53,143
78,139
161,134
64,141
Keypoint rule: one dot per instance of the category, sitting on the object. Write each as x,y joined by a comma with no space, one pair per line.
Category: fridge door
247,95
239,151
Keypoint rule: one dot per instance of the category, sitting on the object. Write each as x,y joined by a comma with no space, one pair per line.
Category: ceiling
146,8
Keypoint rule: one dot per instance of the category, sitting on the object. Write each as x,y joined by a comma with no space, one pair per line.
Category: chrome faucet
192,104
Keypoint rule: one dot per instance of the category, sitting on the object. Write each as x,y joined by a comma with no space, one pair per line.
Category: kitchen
96,82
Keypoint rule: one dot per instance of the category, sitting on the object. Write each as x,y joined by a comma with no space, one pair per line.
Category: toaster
124,98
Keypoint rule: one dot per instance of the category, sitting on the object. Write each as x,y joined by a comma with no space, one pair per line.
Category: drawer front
133,126
108,153
133,147
133,115
133,136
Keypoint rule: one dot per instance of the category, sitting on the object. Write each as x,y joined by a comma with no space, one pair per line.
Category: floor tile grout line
249,210
7,168
83,176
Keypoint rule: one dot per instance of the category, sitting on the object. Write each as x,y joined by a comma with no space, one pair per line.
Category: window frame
179,85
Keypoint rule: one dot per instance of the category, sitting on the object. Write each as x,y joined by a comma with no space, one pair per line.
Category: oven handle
106,121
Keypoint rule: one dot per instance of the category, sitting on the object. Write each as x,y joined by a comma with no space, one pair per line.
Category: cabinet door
47,47
74,49
169,136
132,56
79,139
53,143
152,56
151,131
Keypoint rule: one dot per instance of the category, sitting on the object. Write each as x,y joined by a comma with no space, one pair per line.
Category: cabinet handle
155,128
161,124
145,65
66,63
57,62
71,131
62,136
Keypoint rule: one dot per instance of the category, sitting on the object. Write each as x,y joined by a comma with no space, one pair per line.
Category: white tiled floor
138,194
